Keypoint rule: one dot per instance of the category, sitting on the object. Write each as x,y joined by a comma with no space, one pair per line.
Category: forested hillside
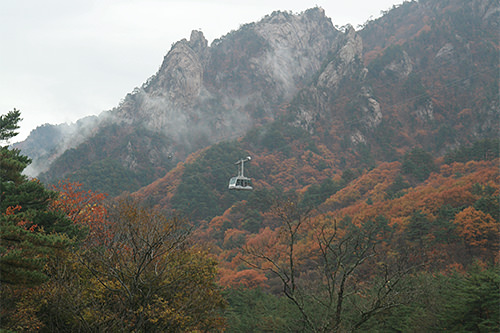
423,75
71,261
375,166
422,223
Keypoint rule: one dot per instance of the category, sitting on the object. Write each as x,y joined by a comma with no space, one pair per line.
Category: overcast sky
62,60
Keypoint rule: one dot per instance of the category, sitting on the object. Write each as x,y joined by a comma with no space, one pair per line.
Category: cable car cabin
240,183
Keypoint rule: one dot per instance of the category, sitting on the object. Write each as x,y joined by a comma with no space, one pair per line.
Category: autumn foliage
359,220
85,208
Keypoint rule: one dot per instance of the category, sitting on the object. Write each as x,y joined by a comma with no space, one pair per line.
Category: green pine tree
474,300
29,231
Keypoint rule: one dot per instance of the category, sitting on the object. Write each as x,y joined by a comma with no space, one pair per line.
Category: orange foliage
477,229
11,210
370,55
249,278
162,188
364,199
83,208
439,190
370,185
234,238
25,224
265,239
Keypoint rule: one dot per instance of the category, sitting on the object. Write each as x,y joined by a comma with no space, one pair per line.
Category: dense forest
376,188
405,246
73,261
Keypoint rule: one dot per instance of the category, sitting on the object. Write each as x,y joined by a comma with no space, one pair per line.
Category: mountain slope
364,107
424,75
427,76
203,94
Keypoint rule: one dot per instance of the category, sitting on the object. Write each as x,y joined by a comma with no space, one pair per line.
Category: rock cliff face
202,94
297,45
222,90
344,64
348,53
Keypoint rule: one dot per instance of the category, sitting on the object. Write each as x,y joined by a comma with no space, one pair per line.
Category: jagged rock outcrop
425,112
371,113
347,53
402,81
446,51
222,89
401,68
296,49
180,77
344,62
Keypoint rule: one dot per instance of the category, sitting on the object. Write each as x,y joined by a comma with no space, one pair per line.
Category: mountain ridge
356,92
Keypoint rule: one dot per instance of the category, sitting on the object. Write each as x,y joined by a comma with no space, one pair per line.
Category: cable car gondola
241,182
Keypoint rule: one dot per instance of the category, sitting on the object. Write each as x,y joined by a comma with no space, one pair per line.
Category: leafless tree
345,272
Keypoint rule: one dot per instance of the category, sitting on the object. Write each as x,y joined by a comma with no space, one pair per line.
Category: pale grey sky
62,60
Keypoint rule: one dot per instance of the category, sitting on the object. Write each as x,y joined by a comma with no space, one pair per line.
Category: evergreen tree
26,222
418,163
473,301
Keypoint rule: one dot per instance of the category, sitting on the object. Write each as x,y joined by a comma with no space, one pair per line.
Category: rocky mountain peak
197,42
298,43
218,88
353,46
347,53
181,73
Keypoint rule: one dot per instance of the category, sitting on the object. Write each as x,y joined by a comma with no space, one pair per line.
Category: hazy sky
62,60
